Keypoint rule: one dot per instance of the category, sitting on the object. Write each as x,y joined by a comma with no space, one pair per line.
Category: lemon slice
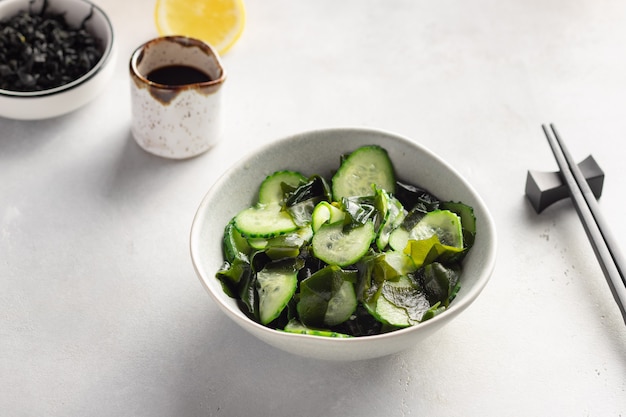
217,22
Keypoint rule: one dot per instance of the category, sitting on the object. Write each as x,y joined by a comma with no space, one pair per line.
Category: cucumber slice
276,285
336,246
398,303
305,233
327,298
296,239
393,213
294,326
326,212
445,224
468,220
288,245
271,189
341,306
393,264
398,239
258,243
234,244
388,313
265,221
366,166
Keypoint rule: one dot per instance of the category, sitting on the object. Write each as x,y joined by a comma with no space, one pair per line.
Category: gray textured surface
100,310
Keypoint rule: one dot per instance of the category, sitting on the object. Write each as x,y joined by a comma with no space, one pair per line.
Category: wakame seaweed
40,50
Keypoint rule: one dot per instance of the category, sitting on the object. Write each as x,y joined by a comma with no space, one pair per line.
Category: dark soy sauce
177,75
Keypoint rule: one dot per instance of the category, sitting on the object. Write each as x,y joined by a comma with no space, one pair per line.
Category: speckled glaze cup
176,120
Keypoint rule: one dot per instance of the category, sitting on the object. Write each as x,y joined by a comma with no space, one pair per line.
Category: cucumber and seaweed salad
360,254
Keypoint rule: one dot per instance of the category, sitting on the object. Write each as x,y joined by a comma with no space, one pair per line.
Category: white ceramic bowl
69,97
318,152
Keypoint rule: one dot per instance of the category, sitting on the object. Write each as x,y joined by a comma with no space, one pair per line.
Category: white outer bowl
318,152
69,97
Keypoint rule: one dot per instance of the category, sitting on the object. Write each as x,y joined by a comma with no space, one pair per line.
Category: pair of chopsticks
604,246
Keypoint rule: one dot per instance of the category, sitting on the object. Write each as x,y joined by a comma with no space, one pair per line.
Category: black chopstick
604,246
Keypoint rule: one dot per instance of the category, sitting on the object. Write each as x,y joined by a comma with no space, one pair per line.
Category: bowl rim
454,309
97,68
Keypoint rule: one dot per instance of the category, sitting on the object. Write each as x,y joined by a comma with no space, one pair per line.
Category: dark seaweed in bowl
39,50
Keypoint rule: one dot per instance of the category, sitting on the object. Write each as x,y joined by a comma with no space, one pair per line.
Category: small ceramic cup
175,96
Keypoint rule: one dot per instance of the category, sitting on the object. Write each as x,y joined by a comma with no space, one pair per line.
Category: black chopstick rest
546,188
